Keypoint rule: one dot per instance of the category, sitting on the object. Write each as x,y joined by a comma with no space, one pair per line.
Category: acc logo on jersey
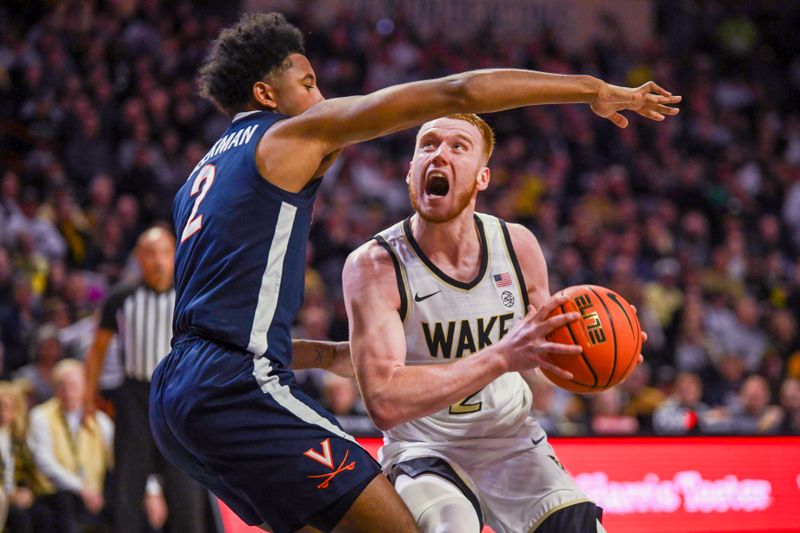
326,458
508,298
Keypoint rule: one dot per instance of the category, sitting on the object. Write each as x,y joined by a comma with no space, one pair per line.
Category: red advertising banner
689,484
677,484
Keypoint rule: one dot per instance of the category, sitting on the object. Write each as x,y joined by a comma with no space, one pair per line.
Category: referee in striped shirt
142,317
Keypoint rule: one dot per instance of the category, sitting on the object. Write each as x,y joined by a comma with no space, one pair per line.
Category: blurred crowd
695,221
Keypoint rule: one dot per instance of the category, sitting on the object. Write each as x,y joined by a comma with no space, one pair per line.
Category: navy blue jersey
240,261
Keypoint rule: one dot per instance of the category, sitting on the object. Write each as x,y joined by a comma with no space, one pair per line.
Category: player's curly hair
258,45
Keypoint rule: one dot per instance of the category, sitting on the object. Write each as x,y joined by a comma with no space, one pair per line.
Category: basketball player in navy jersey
224,403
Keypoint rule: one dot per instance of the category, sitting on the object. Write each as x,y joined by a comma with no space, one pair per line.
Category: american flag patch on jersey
502,280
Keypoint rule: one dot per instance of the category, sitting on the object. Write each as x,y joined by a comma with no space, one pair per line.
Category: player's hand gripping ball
609,333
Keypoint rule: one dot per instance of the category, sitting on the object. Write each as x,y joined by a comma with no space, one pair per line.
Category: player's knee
437,505
450,515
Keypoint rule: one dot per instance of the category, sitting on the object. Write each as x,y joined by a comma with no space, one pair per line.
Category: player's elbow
460,92
384,414
384,423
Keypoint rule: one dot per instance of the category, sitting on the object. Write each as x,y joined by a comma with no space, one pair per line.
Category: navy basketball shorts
248,433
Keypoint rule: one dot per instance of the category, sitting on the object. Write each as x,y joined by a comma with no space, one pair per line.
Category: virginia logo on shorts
326,458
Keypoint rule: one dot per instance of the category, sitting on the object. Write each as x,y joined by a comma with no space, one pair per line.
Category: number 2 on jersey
463,408
202,183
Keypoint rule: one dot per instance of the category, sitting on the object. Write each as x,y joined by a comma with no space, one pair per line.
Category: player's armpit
290,162
532,264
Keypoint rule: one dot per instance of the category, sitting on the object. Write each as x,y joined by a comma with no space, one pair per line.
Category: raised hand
649,100
526,346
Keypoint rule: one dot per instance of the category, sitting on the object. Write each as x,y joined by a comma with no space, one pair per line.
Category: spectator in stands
550,407
29,261
73,228
44,235
19,319
752,415
73,452
722,388
6,277
3,372
112,253
691,345
640,399
790,402
784,341
9,203
607,417
100,202
77,295
340,396
663,295
747,337
40,374
19,479
681,412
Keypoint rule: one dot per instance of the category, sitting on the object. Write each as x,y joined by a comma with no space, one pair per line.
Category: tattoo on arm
320,354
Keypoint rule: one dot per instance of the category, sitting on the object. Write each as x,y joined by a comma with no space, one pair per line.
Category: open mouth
437,185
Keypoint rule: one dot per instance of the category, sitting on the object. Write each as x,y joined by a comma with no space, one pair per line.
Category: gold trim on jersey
557,508
403,289
512,258
407,287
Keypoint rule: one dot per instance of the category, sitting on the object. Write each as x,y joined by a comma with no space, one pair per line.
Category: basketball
609,333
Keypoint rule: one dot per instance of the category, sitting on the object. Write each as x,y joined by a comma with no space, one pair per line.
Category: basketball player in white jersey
440,330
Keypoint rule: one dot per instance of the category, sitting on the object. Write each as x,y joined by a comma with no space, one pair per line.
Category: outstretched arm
291,151
395,393
342,121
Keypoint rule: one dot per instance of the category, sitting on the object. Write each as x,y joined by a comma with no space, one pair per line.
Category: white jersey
445,320
488,439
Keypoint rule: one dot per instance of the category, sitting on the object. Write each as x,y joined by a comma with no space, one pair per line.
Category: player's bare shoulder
291,161
522,238
368,253
369,271
531,259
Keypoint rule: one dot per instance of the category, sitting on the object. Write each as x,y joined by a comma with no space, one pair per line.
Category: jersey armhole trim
517,270
263,186
398,276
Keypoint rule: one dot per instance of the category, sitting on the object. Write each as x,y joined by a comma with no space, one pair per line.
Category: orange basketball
609,333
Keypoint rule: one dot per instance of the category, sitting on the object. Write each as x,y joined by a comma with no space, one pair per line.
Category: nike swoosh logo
418,298
536,442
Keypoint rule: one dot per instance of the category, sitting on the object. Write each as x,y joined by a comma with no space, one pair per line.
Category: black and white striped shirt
142,318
